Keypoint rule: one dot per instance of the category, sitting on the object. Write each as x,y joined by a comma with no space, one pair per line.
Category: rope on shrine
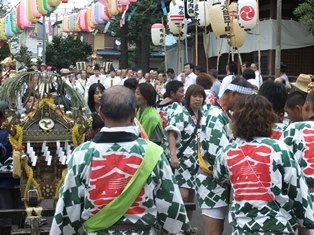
77,138
16,142
64,172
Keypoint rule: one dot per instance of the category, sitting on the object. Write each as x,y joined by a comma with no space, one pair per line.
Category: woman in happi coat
270,195
299,137
213,197
183,133
173,98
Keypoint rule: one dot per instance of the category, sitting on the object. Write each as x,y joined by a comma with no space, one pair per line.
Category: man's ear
298,108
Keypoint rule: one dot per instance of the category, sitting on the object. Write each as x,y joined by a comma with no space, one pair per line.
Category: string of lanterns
96,13
230,21
24,15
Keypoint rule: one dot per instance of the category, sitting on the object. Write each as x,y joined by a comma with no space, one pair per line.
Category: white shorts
216,213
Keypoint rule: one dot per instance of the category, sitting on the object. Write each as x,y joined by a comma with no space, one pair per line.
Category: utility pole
278,39
44,40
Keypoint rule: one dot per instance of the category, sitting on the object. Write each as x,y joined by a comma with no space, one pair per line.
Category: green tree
63,52
4,51
138,31
24,57
305,12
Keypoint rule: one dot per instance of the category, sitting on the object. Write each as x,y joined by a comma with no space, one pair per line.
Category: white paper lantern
182,33
220,19
158,34
233,9
174,28
177,12
202,12
247,13
237,35
190,7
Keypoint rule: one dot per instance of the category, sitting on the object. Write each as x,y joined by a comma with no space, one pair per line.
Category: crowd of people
241,147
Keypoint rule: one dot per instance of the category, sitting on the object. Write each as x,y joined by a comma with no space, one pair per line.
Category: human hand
174,162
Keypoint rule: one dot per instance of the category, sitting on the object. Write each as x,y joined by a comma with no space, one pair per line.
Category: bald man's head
118,103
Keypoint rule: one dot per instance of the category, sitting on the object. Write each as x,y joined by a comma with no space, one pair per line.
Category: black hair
149,93
248,74
200,68
170,70
246,64
173,86
191,65
294,99
276,93
213,72
131,83
91,92
232,66
97,122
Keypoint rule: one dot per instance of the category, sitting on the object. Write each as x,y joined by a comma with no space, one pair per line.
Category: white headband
240,89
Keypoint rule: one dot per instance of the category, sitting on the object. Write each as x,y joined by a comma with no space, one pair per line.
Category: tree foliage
305,12
63,52
24,57
148,12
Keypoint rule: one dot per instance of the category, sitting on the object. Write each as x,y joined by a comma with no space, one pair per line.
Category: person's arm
67,218
297,189
220,170
173,149
171,213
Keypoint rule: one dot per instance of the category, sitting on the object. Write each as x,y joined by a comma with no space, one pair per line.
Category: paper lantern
233,9
77,20
89,16
29,12
82,19
112,7
121,6
174,28
40,6
177,11
15,29
158,34
99,10
72,22
18,17
182,35
247,13
2,30
190,7
64,1
132,1
24,14
93,14
219,19
54,3
202,12
33,9
65,24
8,30
237,35
103,11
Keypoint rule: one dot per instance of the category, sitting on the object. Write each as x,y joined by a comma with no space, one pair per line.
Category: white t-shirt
93,79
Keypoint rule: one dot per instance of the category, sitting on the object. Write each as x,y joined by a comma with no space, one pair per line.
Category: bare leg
213,226
188,196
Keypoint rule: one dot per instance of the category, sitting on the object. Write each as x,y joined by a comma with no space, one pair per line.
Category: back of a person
257,171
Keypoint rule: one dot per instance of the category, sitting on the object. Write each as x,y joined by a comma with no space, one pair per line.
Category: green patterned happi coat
270,195
183,124
214,135
90,184
299,137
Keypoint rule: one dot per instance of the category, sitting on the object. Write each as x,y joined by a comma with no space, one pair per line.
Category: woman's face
178,95
97,96
140,100
196,101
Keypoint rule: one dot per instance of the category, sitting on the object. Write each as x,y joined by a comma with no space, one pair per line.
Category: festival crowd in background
241,146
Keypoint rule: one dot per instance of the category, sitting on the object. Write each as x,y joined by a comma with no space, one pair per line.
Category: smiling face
178,95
